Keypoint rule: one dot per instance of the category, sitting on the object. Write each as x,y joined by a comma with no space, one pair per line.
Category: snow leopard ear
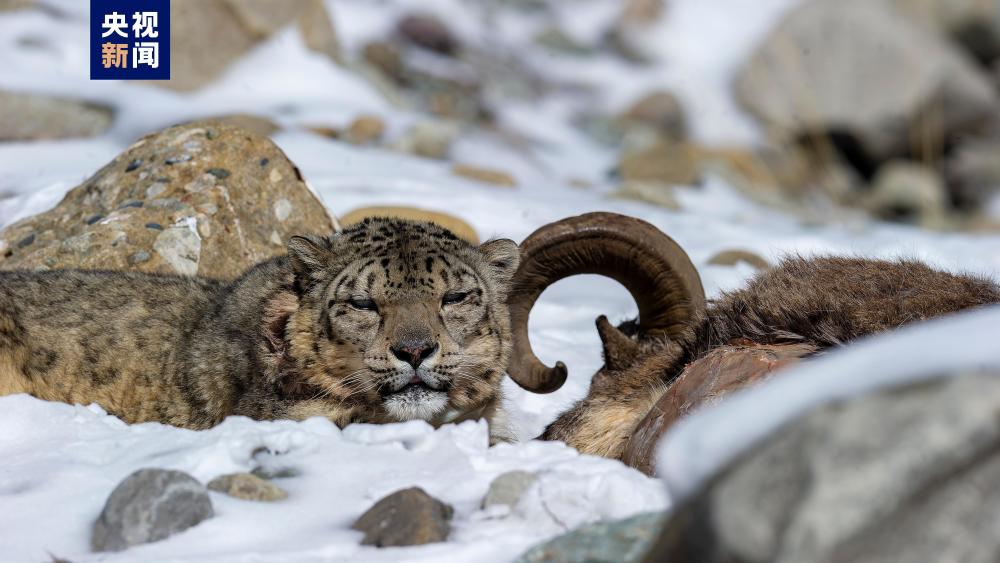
503,258
308,255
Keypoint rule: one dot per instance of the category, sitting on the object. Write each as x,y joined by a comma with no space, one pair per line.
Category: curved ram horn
651,266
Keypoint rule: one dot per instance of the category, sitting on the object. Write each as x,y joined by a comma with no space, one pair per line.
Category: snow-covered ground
58,463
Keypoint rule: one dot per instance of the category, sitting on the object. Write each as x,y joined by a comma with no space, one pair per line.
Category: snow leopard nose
414,353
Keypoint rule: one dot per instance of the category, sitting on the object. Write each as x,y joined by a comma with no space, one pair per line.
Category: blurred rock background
819,107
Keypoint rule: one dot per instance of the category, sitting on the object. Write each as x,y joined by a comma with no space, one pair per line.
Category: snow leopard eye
363,304
454,297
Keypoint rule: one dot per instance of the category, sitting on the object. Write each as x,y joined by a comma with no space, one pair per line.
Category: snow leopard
386,321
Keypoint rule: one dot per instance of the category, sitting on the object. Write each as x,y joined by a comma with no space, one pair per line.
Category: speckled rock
148,506
202,198
452,223
246,486
406,517
620,541
28,117
508,488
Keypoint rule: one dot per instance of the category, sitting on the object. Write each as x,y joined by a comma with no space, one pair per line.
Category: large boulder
203,198
905,474
856,69
29,117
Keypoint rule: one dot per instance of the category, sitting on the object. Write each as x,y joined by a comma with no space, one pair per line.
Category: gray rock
902,475
406,517
508,488
430,139
658,110
620,541
29,117
429,32
974,24
148,506
856,67
908,192
973,173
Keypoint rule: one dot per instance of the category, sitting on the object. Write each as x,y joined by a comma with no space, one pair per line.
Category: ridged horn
651,266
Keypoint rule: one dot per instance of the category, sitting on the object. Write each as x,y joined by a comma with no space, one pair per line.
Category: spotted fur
307,334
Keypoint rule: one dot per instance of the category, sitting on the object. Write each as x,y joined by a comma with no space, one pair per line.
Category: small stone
180,246
733,257
132,203
908,192
660,111
557,40
154,226
485,175
657,193
26,241
508,488
666,162
385,57
404,518
246,486
156,189
365,130
619,541
220,173
134,165
94,218
429,32
201,183
429,139
139,257
150,505
177,159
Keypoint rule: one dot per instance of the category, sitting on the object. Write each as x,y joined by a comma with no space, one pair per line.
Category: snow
702,443
58,462
61,461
